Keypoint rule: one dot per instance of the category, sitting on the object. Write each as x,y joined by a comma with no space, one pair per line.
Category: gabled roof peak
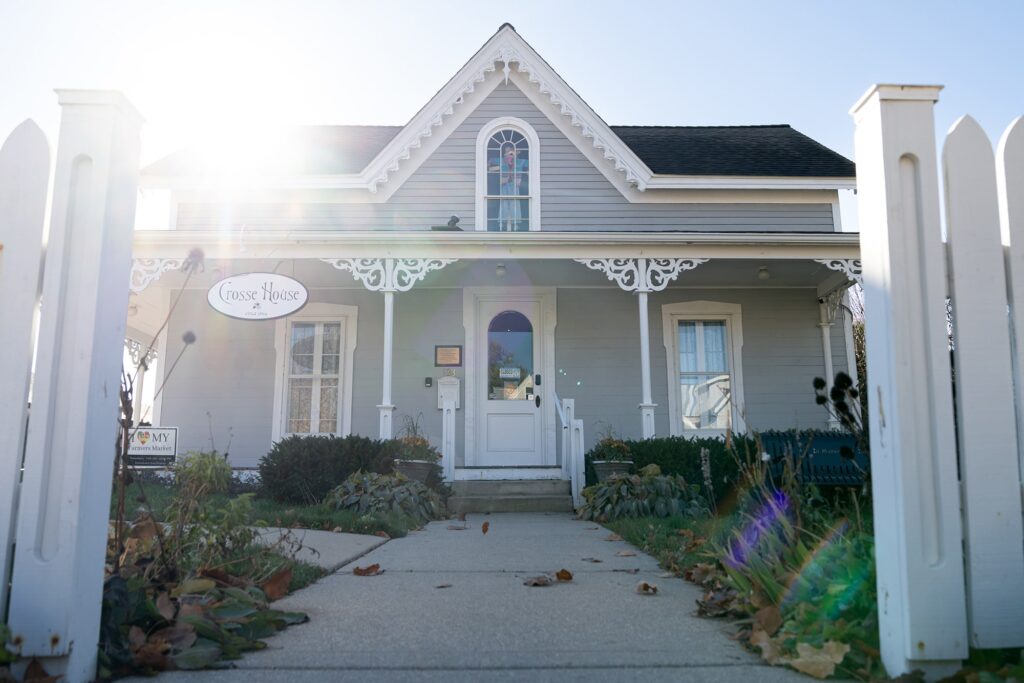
506,25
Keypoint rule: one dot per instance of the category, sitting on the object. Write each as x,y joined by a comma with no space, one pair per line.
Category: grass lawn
267,512
673,541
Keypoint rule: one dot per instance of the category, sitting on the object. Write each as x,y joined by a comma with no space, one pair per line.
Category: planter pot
417,470
604,469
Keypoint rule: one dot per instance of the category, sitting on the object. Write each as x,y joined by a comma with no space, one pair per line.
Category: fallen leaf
452,527
337,530
153,655
591,559
563,575
591,528
181,636
645,588
443,585
165,607
372,570
819,662
35,673
613,537
770,650
541,580
276,587
383,534
666,575
136,637
625,553
485,526
769,619
632,570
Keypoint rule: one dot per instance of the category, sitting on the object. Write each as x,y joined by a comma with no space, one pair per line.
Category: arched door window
508,181
510,357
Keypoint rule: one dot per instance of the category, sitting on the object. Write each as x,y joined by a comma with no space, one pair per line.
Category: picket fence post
64,510
24,177
919,559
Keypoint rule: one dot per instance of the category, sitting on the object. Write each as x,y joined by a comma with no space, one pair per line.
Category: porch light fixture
500,270
762,273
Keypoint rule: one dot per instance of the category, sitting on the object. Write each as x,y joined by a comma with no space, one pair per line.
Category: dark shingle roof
733,151
675,150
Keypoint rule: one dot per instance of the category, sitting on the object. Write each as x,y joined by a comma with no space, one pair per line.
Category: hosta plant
646,494
367,492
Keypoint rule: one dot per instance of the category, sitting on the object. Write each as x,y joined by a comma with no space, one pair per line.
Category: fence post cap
896,91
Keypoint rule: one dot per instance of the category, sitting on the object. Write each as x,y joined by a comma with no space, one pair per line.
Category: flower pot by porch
604,469
417,470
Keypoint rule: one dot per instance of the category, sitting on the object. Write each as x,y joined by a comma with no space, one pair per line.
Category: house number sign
257,296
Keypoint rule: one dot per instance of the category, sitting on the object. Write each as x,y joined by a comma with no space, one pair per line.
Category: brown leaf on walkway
666,575
372,570
592,559
625,553
771,651
632,570
613,537
443,585
819,662
542,580
454,527
276,587
485,526
592,528
563,575
165,607
382,534
769,619
645,588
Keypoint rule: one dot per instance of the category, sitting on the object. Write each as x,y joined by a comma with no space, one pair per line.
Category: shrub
647,494
412,444
367,492
203,472
303,469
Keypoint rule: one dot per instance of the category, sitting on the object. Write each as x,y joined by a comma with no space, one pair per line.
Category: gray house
509,256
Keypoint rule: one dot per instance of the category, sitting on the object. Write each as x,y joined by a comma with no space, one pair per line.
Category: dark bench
821,461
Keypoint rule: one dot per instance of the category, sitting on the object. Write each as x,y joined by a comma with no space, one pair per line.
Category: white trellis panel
984,392
24,176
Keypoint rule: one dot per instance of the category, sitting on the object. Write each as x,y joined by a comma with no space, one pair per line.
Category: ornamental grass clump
646,494
368,493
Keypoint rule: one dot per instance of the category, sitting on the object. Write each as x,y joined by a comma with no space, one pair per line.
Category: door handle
536,380
536,400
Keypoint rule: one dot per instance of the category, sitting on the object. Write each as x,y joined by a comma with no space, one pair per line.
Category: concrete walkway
486,625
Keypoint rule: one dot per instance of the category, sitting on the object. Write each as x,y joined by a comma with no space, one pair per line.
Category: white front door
509,376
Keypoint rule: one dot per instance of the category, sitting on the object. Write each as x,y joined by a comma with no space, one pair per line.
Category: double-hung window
704,341
315,350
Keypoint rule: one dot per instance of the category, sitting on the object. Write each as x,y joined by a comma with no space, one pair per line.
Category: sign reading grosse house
257,296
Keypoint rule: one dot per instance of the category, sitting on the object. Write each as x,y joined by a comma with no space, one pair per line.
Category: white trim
162,362
546,297
503,473
315,312
837,216
732,314
482,138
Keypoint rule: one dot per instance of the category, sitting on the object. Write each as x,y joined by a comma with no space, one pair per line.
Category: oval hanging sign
257,296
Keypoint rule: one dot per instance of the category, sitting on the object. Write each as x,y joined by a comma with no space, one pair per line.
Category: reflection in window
704,380
314,373
508,182
510,357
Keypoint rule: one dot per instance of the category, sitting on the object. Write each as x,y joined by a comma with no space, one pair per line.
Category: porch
604,315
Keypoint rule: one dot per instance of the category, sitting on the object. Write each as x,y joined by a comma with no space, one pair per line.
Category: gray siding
574,194
229,372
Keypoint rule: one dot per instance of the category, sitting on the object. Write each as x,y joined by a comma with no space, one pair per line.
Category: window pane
714,346
303,337
300,404
510,358
705,400
331,349
687,346
328,406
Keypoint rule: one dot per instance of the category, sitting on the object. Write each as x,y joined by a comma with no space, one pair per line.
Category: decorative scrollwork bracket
850,267
642,274
388,274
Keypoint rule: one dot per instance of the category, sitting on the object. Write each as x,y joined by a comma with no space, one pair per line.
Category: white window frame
314,313
482,138
732,315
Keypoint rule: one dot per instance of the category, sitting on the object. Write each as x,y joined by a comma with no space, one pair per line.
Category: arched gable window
508,177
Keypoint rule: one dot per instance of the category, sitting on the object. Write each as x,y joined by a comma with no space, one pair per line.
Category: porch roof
496,245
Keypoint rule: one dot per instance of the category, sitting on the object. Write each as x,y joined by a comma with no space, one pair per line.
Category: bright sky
192,65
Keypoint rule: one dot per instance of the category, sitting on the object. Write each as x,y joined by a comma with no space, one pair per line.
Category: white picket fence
59,513
949,531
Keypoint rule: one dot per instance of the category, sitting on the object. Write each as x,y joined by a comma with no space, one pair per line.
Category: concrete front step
511,495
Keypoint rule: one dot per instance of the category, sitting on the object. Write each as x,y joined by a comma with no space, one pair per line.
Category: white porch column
918,548
388,275
64,507
642,276
828,308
